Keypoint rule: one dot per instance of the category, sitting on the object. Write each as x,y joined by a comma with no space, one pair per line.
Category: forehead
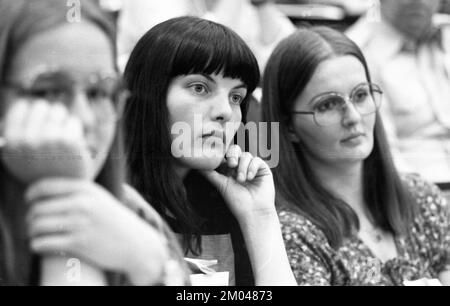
337,74
82,48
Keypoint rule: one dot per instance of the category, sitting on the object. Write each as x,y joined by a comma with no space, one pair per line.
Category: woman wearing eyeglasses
64,218
348,217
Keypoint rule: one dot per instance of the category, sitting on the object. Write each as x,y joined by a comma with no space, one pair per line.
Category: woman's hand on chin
44,140
246,183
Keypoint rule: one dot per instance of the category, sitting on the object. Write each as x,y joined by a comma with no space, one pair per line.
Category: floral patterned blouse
423,254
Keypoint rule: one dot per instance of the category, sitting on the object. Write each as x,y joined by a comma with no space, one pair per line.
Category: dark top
221,237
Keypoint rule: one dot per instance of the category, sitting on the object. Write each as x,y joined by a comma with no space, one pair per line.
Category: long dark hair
179,46
20,20
288,72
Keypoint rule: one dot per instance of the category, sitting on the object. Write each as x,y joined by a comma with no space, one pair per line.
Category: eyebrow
313,99
209,78
67,75
242,85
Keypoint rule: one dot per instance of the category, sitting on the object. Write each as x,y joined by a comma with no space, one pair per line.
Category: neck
181,171
344,180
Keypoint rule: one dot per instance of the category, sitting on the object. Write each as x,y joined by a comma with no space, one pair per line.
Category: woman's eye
236,99
360,96
95,93
199,89
327,105
48,94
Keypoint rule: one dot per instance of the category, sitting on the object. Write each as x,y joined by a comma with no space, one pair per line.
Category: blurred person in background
258,22
409,55
352,7
445,8
63,203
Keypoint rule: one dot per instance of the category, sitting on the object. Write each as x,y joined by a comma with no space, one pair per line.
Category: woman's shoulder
134,201
310,255
178,273
418,185
427,194
296,226
431,205
431,227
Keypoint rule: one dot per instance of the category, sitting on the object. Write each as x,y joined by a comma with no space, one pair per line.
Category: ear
121,100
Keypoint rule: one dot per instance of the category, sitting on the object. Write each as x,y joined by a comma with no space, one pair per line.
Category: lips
352,136
93,151
215,133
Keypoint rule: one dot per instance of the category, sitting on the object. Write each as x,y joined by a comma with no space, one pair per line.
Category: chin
203,162
358,155
98,163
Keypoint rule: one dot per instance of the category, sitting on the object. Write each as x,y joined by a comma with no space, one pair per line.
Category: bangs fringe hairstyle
179,46
289,69
20,20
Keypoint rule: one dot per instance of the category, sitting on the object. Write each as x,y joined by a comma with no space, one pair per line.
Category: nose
221,110
82,109
350,115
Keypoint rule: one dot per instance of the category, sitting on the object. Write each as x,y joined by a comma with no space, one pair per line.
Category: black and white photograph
224,149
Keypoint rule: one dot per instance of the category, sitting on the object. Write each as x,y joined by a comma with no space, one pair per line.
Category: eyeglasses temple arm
303,113
2,139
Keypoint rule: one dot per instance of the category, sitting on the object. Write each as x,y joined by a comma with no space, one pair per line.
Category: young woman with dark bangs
197,74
